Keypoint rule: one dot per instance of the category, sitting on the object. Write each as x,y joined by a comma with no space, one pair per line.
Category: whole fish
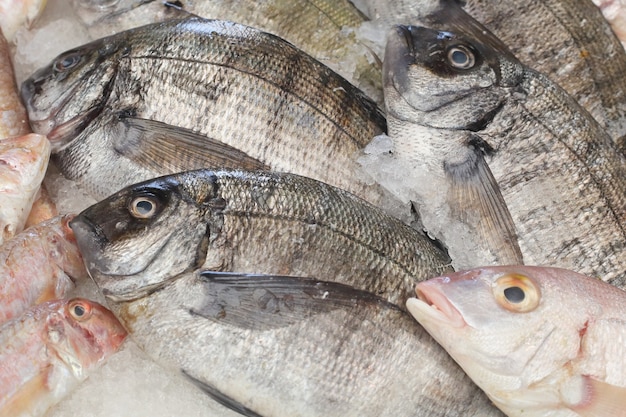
540,341
249,222
40,264
511,156
324,29
49,350
283,346
567,40
197,93
23,156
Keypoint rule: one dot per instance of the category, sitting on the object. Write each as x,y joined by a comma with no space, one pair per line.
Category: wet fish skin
40,264
323,29
539,340
49,350
284,346
108,107
148,233
560,175
567,40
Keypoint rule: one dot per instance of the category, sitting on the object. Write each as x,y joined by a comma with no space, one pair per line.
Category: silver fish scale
559,155
273,223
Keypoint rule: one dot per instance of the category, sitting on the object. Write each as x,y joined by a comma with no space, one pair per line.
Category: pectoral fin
221,398
260,302
160,146
601,400
475,198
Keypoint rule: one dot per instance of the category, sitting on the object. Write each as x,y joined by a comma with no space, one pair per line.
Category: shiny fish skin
49,350
284,346
561,176
555,350
323,29
13,118
116,106
568,40
242,222
38,265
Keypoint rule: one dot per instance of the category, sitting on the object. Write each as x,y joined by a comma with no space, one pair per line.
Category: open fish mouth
62,134
432,303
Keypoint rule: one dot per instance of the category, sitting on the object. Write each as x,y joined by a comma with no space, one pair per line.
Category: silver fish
283,346
567,40
515,158
324,29
197,93
249,222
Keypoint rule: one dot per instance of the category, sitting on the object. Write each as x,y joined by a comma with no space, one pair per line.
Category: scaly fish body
568,40
169,97
49,350
509,148
540,341
249,222
323,29
38,265
283,346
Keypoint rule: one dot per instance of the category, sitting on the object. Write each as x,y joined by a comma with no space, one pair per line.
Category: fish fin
220,397
260,302
601,399
159,146
475,198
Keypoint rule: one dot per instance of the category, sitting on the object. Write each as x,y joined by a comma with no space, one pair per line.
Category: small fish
40,264
511,157
49,350
249,222
15,14
539,341
283,346
195,93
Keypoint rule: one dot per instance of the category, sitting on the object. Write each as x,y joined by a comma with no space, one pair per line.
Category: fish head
513,329
83,333
144,235
63,98
445,79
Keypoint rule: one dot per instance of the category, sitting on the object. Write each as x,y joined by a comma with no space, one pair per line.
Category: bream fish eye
67,62
79,310
143,207
516,293
461,57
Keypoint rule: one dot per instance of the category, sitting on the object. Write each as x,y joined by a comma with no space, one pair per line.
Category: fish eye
461,57
143,207
517,293
79,310
67,62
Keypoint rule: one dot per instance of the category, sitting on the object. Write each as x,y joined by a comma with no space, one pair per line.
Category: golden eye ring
516,293
143,207
79,310
461,57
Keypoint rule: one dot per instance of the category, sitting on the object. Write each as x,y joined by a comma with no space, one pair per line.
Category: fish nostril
29,89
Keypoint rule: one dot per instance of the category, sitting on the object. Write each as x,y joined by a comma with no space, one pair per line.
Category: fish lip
61,134
441,308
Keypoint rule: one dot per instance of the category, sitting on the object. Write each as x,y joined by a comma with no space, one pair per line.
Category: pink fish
24,155
49,350
539,341
37,265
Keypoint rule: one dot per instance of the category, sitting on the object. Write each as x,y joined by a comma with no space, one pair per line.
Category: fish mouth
62,134
437,306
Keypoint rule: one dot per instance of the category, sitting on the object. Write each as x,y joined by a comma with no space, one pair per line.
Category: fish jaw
65,97
127,255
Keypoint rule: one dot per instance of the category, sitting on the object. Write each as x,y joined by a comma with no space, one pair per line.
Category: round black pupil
143,207
459,57
514,294
79,311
